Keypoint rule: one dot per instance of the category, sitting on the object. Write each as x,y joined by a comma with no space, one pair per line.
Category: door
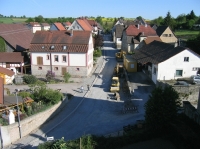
64,70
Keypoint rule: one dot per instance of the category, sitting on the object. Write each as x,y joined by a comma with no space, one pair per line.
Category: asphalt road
95,113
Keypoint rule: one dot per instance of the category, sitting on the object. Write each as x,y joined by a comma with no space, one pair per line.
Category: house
147,41
15,37
61,52
7,75
100,28
13,61
164,61
67,25
45,26
117,37
166,34
81,24
134,34
34,26
57,27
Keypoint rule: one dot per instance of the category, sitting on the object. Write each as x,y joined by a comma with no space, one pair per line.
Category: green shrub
66,77
30,79
97,53
24,94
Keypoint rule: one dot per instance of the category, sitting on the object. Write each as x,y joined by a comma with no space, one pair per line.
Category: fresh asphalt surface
92,112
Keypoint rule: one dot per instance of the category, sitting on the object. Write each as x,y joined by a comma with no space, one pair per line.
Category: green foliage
3,122
66,77
29,20
97,53
50,76
30,79
194,43
2,45
46,95
161,108
24,94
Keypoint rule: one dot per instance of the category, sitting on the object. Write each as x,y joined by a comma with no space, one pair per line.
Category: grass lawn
12,20
186,32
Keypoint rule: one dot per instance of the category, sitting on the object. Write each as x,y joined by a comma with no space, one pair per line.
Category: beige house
166,34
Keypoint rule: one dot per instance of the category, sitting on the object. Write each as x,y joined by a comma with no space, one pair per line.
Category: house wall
167,69
154,72
118,43
36,28
75,26
142,38
12,67
9,48
77,59
168,39
46,28
124,42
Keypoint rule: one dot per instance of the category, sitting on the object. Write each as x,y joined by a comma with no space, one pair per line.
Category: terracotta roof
67,23
6,71
150,39
92,22
11,57
119,30
59,26
45,24
43,40
134,30
84,24
156,52
17,35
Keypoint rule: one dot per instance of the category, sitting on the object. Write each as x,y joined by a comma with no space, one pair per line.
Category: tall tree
39,19
168,19
194,44
161,108
29,20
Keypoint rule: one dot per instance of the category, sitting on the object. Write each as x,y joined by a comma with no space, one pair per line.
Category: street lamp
16,90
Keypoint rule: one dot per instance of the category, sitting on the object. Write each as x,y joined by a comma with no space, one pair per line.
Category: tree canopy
161,108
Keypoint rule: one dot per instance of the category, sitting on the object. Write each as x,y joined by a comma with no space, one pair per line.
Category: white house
62,51
163,61
35,26
45,26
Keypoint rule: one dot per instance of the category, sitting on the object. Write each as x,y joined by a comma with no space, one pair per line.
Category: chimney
71,34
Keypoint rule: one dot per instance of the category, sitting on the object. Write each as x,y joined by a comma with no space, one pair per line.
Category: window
47,57
77,69
43,47
179,72
64,58
64,47
170,35
132,65
154,70
195,68
56,68
186,59
39,68
56,58
165,35
39,60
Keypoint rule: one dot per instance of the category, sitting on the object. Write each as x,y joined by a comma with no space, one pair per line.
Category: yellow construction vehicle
119,55
115,85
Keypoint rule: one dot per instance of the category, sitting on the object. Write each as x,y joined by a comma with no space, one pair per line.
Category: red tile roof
18,36
135,30
34,24
68,23
92,22
45,24
59,26
11,57
43,40
6,71
84,24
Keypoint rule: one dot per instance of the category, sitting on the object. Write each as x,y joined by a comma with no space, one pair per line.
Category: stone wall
191,111
10,133
189,93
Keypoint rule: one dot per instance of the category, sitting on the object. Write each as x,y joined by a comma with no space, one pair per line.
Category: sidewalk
38,136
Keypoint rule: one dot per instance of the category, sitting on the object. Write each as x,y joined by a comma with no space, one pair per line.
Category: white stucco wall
36,28
46,61
167,69
77,59
46,28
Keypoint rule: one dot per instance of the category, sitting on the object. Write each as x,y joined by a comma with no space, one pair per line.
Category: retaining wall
10,133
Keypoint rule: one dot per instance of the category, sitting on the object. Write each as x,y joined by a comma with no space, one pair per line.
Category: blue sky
148,9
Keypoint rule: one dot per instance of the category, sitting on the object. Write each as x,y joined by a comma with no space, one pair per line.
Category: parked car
195,79
181,83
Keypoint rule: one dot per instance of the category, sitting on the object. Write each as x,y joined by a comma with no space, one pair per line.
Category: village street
91,112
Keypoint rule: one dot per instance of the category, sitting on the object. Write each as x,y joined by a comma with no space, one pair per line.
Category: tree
159,21
99,19
168,19
98,41
181,18
29,20
161,108
194,44
39,19
191,15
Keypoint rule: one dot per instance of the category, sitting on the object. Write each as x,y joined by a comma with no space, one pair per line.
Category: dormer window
42,47
52,47
64,47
